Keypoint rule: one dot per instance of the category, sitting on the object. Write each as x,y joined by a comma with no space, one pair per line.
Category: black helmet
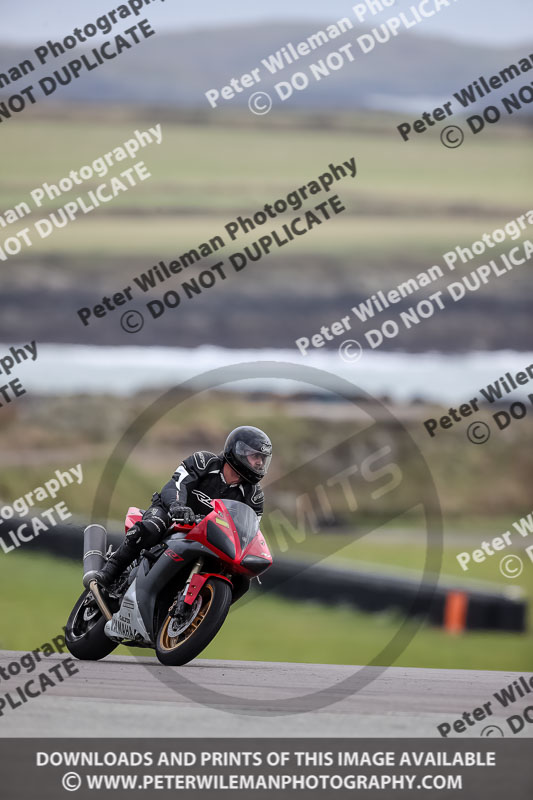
249,451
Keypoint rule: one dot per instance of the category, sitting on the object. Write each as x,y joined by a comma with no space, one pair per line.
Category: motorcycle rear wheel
84,633
174,651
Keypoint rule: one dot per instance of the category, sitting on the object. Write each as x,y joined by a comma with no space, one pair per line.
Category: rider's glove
185,514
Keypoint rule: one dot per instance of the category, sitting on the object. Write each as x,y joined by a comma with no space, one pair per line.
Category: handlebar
198,518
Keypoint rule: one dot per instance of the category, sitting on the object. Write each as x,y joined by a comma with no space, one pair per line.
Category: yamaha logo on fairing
123,629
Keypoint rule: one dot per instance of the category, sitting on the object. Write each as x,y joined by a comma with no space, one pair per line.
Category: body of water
451,378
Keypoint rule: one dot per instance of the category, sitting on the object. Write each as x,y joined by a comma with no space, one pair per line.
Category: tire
85,637
216,596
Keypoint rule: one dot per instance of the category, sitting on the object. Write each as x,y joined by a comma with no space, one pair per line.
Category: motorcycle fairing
149,583
127,622
197,581
218,532
134,515
235,551
184,545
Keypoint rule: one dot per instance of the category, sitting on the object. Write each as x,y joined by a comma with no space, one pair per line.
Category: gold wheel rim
168,642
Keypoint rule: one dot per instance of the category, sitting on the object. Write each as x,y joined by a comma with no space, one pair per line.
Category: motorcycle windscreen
245,519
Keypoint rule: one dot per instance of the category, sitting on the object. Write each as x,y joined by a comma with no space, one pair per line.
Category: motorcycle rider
234,474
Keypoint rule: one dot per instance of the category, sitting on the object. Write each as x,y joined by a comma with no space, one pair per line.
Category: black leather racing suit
196,481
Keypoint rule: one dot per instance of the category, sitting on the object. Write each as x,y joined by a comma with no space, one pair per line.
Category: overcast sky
488,21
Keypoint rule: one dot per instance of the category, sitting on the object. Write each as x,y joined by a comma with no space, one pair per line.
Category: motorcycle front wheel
84,633
176,643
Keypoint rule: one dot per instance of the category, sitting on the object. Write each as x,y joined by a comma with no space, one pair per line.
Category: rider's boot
117,563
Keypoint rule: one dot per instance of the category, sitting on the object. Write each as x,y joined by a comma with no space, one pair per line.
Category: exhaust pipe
101,603
94,549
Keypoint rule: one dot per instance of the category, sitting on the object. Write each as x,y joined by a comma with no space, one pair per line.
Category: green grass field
38,592
243,162
204,175
126,236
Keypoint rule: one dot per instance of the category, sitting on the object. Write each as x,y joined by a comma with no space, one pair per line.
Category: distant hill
409,72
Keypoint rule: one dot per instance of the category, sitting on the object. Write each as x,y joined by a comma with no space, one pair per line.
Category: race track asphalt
137,696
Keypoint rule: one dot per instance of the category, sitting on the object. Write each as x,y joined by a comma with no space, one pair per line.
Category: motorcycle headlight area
220,540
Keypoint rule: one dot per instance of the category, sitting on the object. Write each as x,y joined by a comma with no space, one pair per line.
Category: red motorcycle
176,596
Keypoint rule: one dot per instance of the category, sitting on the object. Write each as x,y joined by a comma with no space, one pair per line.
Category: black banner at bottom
48,769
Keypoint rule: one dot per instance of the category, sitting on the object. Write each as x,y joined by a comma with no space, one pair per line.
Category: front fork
179,608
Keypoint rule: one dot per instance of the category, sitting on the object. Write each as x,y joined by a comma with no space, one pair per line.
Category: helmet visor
256,460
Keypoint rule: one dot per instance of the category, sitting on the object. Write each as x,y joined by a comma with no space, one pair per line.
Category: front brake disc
177,626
